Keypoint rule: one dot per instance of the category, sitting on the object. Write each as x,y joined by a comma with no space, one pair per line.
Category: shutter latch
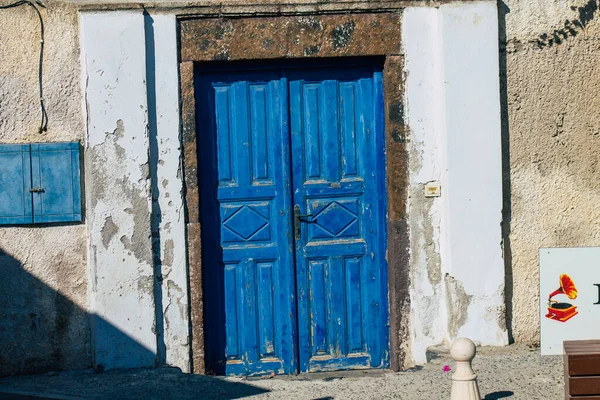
36,190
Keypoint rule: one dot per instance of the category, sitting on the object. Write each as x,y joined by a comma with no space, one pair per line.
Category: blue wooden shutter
55,170
15,180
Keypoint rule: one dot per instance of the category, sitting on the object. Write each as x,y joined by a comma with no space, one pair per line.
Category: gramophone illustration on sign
563,311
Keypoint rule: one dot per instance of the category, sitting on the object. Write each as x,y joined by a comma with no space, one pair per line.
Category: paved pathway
513,372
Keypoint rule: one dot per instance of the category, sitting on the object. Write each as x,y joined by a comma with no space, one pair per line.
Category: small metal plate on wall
433,189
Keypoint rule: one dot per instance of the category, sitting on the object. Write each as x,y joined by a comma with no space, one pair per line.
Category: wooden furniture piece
582,369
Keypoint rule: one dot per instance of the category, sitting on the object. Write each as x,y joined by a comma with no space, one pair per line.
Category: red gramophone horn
567,287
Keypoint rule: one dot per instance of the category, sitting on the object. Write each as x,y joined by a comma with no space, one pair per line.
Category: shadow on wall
498,395
503,9
571,27
42,330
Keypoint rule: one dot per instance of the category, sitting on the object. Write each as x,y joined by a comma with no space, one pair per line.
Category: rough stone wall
551,134
43,270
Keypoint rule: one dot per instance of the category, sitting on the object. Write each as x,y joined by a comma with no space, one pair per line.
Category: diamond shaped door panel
245,223
333,219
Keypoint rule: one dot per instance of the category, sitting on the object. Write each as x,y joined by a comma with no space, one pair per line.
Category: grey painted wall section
120,262
551,128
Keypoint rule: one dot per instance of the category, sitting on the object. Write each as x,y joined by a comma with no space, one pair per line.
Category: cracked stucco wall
43,278
550,62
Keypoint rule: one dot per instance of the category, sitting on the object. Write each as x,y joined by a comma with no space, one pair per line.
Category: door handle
299,218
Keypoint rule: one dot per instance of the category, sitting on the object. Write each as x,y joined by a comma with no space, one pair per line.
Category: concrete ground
512,372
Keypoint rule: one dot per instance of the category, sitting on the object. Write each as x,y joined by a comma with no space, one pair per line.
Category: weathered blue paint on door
247,258
274,147
336,130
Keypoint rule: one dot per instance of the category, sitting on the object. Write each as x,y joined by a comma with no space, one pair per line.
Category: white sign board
569,296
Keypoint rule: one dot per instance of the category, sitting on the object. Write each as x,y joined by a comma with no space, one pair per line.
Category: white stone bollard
464,380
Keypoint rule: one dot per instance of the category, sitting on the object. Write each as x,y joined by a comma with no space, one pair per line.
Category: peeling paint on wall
458,305
551,138
474,178
118,190
171,221
426,159
108,231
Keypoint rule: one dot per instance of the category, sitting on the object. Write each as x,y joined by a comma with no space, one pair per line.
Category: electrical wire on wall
34,4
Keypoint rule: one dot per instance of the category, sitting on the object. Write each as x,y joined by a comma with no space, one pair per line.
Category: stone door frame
320,35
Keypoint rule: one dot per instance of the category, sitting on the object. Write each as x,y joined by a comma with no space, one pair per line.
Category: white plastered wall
118,198
124,284
453,111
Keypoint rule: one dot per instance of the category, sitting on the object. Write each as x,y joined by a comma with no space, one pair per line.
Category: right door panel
336,122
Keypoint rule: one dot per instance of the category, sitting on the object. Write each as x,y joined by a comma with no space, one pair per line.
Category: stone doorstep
324,376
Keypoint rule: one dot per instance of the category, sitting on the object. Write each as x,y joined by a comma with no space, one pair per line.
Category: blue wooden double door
291,168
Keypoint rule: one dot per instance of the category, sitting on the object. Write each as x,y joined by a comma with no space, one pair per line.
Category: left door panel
246,226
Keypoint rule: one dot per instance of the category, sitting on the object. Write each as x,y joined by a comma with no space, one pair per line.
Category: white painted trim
452,107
